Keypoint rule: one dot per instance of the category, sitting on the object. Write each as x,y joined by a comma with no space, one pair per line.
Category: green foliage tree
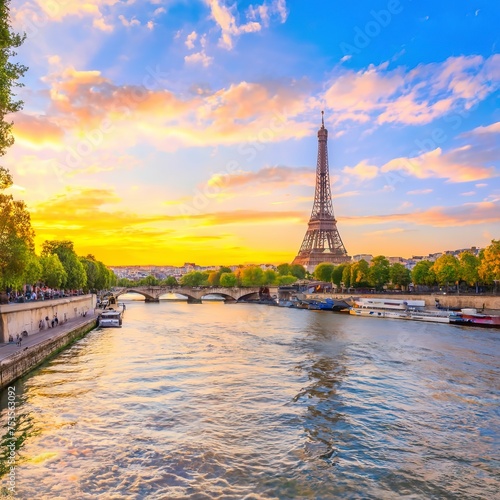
283,269
346,276
323,271
337,274
252,276
270,277
76,277
359,273
399,275
10,74
224,269
378,274
16,234
170,281
446,269
469,268
489,269
194,278
286,280
53,273
91,270
423,274
228,279
298,271
125,282
33,270
149,281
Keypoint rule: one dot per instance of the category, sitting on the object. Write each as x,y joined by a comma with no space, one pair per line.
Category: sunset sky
165,131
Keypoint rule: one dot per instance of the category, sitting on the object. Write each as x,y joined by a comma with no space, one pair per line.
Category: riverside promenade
16,361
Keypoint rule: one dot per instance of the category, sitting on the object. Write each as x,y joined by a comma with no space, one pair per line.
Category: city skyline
155,133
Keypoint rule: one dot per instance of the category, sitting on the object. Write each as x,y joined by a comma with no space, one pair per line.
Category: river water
243,401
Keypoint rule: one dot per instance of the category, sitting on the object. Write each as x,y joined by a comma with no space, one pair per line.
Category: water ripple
248,402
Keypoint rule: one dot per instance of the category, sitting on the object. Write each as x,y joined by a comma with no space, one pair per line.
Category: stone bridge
195,294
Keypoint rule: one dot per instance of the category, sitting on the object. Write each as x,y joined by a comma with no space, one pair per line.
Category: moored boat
110,318
471,317
432,316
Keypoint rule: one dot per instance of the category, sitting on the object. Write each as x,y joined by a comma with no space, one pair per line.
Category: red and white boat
471,317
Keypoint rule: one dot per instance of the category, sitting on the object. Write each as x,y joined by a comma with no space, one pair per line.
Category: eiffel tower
322,242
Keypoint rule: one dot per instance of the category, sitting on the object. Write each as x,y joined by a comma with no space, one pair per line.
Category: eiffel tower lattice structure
322,242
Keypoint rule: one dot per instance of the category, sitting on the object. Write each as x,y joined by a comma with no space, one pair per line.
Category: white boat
110,318
379,313
385,304
432,316
385,308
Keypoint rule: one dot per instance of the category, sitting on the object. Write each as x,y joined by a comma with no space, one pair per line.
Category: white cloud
127,23
191,38
418,96
199,58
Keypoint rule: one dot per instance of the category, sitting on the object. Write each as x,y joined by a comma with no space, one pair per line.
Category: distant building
362,256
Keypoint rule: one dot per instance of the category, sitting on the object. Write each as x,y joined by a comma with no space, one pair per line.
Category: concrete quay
17,361
490,303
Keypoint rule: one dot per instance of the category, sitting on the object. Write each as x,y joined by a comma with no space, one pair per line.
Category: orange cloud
362,170
37,132
278,177
468,214
84,102
436,164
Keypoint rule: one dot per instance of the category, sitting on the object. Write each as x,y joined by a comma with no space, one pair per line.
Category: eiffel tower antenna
322,242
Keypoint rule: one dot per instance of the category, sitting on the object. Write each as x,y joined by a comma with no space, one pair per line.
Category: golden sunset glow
154,134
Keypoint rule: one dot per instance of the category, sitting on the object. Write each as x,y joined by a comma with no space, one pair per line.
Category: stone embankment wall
22,362
489,302
16,318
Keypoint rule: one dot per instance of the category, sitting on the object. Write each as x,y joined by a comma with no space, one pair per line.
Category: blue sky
169,131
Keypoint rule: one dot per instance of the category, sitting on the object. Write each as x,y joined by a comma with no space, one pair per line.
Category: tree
337,274
91,270
149,281
214,278
423,274
53,273
283,269
359,273
447,269
489,269
378,274
16,234
346,275
399,275
269,277
194,278
252,276
33,270
75,273
224,269
125,282
323,271
170,281
469,268
10,74
286,280
298,271
228,280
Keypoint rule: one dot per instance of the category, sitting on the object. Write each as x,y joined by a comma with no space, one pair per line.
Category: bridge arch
147,296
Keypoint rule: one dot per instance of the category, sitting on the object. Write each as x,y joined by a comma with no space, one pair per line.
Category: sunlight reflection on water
235,401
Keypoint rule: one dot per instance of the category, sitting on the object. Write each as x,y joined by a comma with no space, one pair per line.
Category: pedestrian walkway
9,349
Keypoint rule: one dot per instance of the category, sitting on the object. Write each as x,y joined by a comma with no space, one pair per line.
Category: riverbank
490,303
18,360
